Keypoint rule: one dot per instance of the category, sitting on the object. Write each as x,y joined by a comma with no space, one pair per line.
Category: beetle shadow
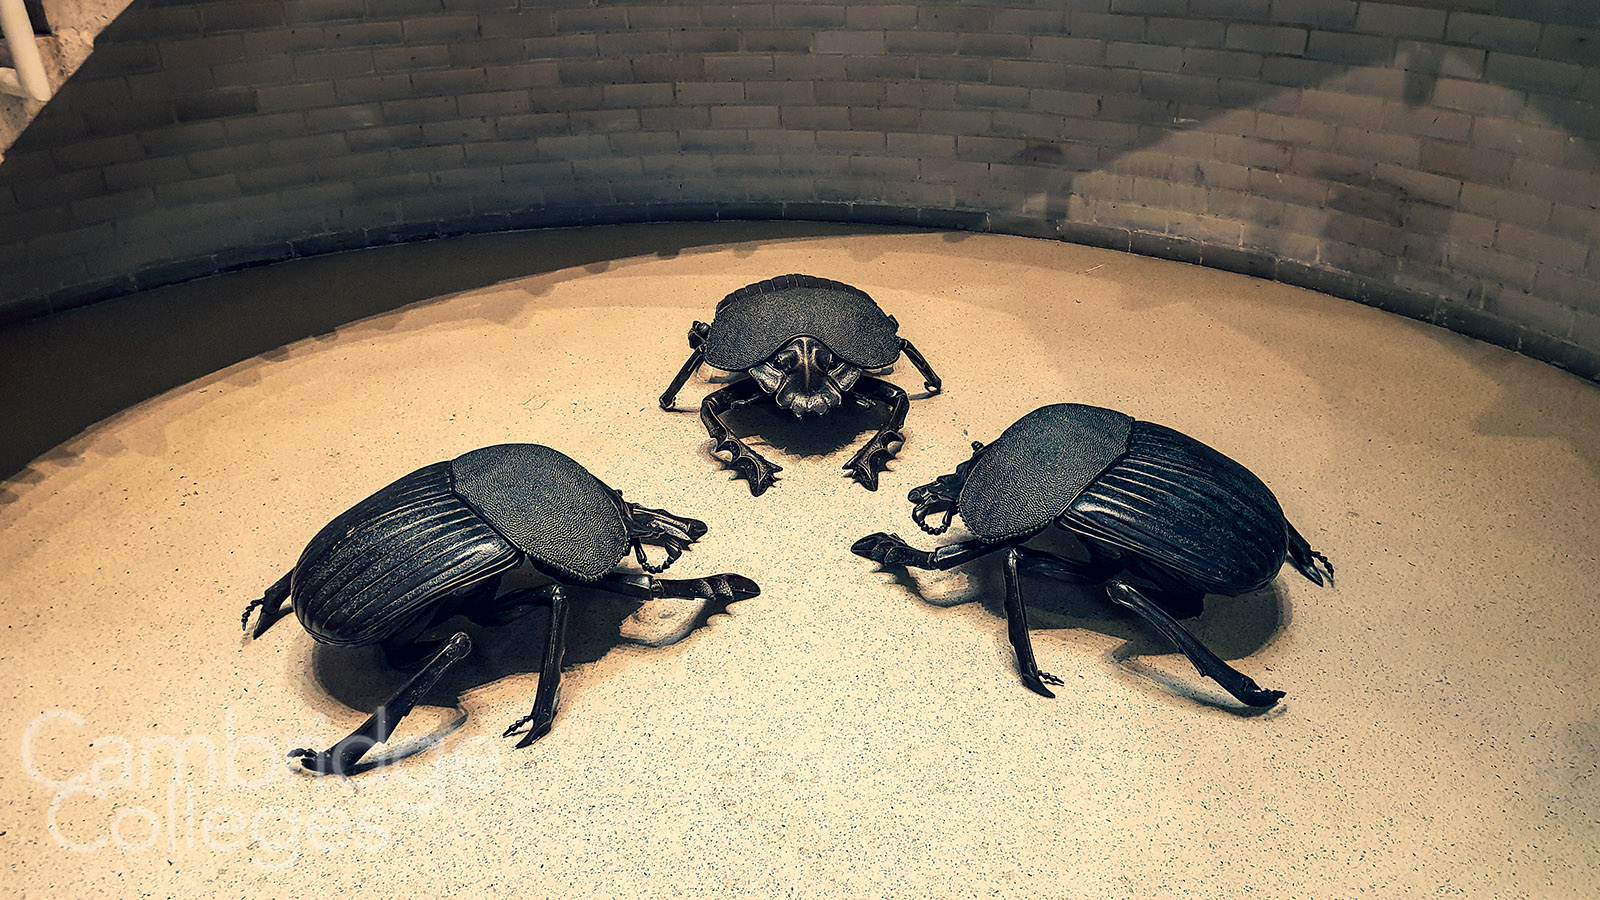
362,679
1234,628
809,436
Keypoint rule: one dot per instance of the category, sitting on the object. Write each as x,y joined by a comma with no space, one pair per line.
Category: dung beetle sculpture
436,543
806,342
1165,520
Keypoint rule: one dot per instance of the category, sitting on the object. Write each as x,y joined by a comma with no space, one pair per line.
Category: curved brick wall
1440,159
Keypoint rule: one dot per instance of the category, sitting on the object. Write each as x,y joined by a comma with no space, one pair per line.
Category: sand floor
852,732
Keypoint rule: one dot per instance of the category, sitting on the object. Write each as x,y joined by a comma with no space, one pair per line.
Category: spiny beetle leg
891,550
1017,630
875,455
341,758
1241,686
548,697
747,464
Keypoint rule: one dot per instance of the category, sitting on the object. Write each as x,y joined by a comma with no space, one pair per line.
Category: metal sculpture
437,542
1165,520
807,343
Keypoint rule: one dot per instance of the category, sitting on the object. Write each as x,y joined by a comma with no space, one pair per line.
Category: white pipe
18,31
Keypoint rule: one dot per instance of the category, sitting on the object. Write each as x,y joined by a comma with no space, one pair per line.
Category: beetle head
657,526
942,495
805,377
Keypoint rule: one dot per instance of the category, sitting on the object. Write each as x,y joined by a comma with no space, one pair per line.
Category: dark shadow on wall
64,372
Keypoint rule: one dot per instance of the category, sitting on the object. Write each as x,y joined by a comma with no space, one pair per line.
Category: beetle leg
929,379
1241,686
548,697
696,357
1305,559
271,606
1017,629
746,462
341,759
725,588
1038,562
892,550
875,454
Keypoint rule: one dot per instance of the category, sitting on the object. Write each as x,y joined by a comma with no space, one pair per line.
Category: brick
1427,122
1106,26
938,121
1575,222
988,95
994,45
1288,188
1083,50
1145,57
1540,245
419,109
435,28
1570,44
1474,164
198,190
1409,21
362,34
1153,7
1530,311
520,23
268,44
1492,32
370,88
757,41
741,67
334,64
1441,59
953,68
96,152
955,18
215,105
781,93
1199,61
453,82
493,103
1296,72
1546,145
1378,146
563,47
137,173
495,51
1333,167
849,141
1319,13
1266,39
343,118
871,118
863,43
1351,49
1436,189
1254,152
305,11
1183,89
1045,20
1185,32
1541,76
808,67
527,75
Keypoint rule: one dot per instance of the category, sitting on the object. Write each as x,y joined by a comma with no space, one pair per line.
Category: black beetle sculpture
806,342
1165,520
436,543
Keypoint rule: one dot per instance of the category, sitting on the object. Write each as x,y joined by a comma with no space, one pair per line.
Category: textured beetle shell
1035,468
1145,488
1187,508
754,321
547,505
382,563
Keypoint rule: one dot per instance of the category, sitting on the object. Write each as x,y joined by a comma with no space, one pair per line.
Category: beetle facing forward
436,543
1165,520
806,342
